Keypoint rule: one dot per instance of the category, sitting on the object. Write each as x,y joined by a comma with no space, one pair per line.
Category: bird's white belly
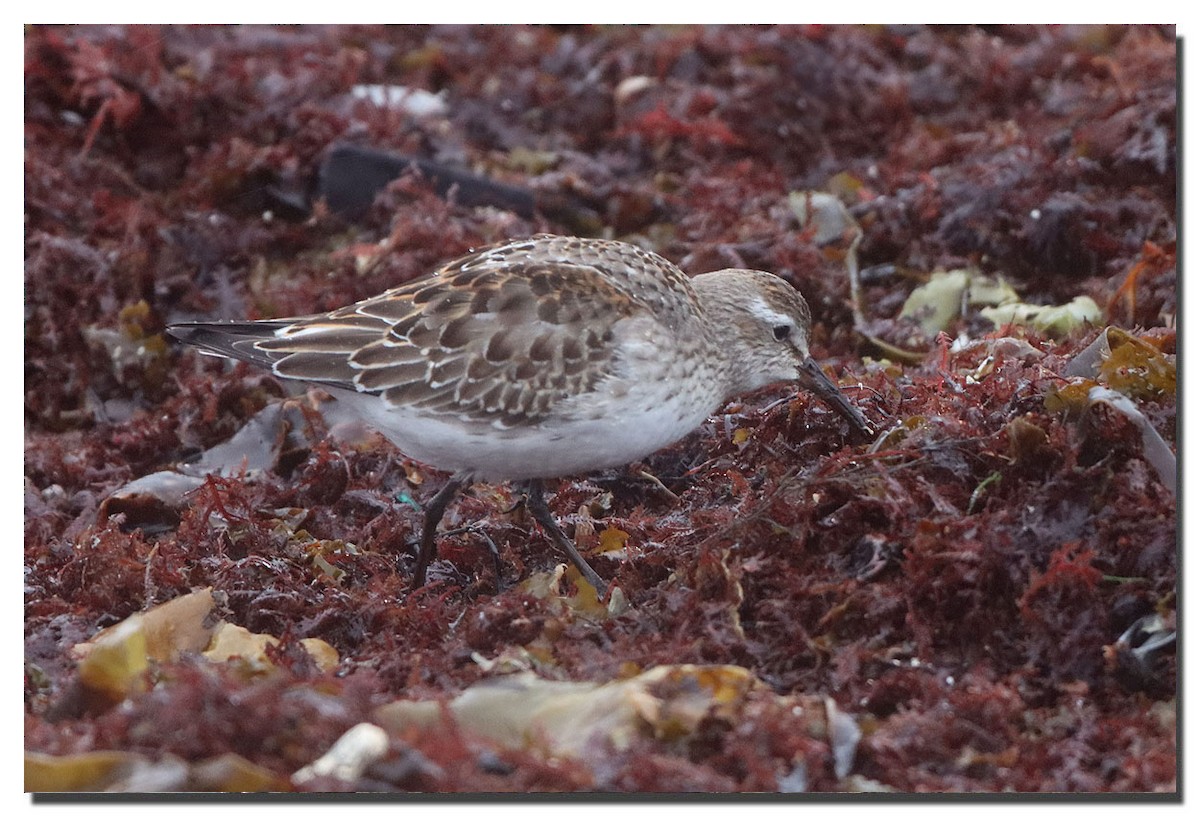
610,431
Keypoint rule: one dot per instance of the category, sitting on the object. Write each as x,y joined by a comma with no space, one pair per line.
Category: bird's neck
722,338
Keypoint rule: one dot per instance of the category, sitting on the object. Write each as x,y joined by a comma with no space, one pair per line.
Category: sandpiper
539,358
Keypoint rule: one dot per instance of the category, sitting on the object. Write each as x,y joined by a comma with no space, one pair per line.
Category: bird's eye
782,331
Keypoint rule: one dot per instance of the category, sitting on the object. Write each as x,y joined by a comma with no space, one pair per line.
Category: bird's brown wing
493,342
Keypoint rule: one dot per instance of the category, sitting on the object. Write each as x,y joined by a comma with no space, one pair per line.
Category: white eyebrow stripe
760,308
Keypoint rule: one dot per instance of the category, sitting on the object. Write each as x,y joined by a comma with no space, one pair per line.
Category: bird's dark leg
541,511
433,514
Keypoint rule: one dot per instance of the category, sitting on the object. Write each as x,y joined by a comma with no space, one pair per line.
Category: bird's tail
236,339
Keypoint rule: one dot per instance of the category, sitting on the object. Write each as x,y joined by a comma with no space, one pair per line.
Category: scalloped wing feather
499,338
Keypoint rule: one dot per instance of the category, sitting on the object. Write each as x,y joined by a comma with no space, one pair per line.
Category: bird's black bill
814,379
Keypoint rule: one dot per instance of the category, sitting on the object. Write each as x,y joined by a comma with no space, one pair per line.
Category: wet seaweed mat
981,599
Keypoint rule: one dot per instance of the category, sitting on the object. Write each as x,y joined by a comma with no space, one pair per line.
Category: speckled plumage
542,357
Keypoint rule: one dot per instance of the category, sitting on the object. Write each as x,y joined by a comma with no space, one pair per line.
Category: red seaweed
961,589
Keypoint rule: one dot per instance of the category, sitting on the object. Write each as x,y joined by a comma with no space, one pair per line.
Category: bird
541,358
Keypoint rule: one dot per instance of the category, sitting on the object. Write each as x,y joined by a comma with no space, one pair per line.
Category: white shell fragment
349,756
413,101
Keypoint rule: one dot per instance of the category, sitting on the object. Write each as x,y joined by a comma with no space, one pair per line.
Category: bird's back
501,336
